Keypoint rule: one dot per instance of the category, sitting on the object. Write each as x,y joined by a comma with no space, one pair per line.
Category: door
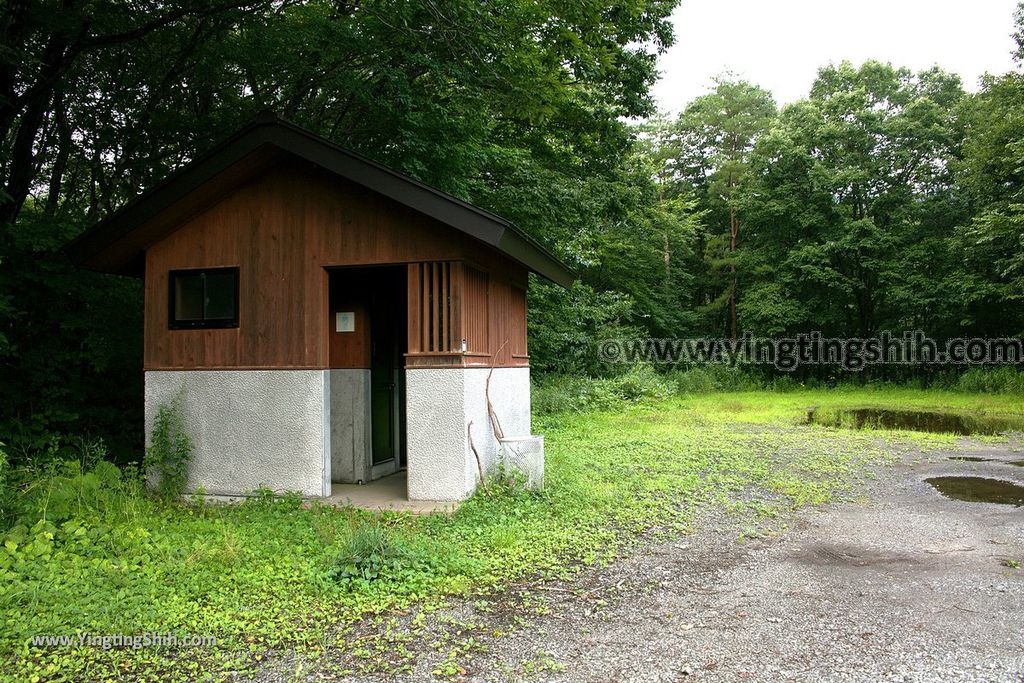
368,332
382,391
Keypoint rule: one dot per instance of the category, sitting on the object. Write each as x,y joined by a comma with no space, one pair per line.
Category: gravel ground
905,585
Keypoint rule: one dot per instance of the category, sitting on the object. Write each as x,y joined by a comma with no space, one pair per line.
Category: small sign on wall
345,321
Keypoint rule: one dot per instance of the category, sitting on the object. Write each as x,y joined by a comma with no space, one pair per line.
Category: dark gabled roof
116,244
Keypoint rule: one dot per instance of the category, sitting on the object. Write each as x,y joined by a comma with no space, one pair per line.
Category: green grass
271,574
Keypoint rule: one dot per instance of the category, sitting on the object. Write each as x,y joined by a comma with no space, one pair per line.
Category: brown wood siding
282,230
350,349
477,311
517,322
500,332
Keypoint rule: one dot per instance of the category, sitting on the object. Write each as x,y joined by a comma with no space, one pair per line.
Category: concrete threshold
386,493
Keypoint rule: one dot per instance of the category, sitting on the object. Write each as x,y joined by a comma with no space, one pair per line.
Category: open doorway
367,345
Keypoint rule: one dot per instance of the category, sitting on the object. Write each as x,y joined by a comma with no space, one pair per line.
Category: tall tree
518,105
46,48
992,178
715,136
869,151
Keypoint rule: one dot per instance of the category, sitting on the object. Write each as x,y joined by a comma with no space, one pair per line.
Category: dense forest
884,200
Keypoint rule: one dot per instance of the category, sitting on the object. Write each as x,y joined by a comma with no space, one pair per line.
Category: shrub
375,554
368,553
709,378
5,493
568,325
564,393
641,383
1000,380
66,490
170,451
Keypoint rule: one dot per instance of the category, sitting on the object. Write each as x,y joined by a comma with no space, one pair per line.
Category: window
203,298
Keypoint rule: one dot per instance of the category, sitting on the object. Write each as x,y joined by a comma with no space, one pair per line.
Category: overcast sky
780,44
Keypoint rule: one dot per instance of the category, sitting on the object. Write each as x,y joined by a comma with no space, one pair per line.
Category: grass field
96,556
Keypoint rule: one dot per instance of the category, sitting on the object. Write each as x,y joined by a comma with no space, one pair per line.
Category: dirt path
908,586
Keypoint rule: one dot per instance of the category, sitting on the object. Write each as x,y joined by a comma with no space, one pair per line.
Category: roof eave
87,250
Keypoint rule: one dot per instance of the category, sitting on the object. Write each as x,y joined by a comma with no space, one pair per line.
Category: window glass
220,295
188,296
203,298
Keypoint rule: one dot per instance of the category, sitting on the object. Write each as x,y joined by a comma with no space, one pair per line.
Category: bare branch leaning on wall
476,454
499,434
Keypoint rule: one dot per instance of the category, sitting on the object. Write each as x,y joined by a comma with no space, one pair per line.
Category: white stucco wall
440,404
250,428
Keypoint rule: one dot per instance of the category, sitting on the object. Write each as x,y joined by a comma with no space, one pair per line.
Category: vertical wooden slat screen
433,309
452,301
457,296
444,340
432,335
500,309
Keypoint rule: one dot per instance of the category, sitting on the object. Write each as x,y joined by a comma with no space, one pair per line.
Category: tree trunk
666,246
734,234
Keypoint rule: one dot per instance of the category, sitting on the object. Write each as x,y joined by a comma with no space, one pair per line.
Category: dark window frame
205,323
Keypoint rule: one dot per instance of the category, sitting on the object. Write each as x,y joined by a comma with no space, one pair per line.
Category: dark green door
382,390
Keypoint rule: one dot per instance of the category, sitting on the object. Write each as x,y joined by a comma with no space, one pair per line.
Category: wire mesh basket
524,457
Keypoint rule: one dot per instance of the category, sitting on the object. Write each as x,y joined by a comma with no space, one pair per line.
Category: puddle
972,458
916,420
979,490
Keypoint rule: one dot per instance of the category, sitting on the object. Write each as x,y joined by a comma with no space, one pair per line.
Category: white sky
780,44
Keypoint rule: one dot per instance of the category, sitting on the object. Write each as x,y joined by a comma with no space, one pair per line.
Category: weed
541,663
372,552
170,451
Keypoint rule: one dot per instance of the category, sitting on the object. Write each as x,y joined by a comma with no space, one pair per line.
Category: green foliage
376,553
639,384
555,394
885,200
71,348
566,327
711,147
6,495
170,451
372,552
571,393
60,491
711,378
992,175
1000,380
852,203
260,575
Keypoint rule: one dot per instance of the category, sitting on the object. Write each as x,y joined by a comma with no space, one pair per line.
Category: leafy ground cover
92,554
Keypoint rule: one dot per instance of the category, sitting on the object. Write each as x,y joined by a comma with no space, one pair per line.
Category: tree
47,50
715,136
992,178
868,155
516,106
